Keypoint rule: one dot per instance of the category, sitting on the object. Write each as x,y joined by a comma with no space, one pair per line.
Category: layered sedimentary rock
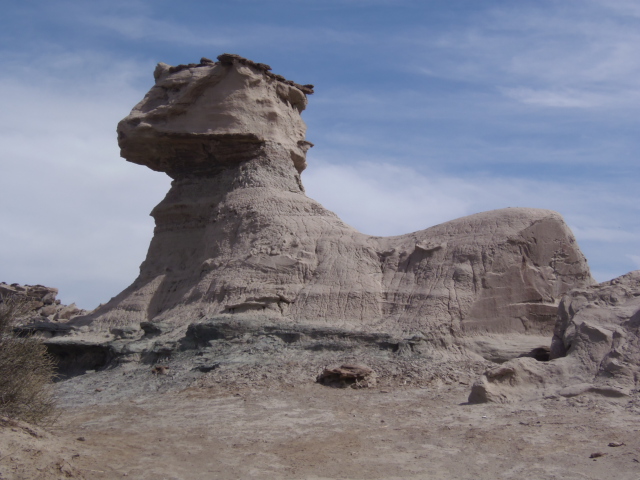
595,348
237,236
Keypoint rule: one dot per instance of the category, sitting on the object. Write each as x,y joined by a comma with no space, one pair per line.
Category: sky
424,111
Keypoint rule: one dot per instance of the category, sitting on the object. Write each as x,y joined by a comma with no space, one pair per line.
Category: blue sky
424,111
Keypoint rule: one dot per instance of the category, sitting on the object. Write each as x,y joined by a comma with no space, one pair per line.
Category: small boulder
160,370
66,312
356,376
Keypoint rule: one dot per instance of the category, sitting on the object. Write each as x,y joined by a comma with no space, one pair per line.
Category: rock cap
200,118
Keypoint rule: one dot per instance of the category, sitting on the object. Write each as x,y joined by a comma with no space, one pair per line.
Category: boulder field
40,304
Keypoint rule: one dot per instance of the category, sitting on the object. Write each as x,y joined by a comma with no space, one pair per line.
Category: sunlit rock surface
237,236
595,349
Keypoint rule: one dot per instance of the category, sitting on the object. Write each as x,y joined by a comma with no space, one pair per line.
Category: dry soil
106,430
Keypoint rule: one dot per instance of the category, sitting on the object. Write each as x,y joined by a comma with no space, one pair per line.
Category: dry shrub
26,369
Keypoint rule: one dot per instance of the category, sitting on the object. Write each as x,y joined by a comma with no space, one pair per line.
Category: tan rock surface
595,349
202,118
236,235
42,303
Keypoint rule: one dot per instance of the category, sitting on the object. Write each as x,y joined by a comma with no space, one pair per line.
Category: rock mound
43,306
595,348
236,237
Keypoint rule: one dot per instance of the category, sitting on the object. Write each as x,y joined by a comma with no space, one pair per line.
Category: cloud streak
580,49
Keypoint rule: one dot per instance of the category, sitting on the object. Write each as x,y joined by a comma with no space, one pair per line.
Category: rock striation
236,236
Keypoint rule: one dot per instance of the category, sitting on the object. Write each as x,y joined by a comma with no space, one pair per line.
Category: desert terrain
128,422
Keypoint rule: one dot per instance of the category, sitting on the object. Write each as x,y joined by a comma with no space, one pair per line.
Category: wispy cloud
148,28
623,7
636,260
570,54
603,234
220,35
559,98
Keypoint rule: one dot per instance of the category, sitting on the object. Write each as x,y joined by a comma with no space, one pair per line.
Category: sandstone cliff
236,236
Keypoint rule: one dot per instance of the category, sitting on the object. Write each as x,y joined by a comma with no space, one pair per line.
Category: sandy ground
309,431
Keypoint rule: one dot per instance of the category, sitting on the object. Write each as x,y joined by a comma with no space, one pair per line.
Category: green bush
26,369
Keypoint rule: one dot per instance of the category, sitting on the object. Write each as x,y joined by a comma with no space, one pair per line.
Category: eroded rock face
203,118
595,348
598,330
607,312
237,236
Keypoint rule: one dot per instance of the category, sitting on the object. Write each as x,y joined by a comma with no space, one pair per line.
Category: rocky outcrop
595,348
609,313
236,237
41,303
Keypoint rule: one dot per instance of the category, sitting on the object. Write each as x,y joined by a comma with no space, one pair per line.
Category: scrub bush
27,371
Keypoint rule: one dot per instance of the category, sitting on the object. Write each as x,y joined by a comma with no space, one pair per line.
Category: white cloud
635,259
624,7
382,199
564,98
569,54
145,26
76,215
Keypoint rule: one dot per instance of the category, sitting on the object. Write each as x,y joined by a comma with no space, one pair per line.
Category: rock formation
595,348
43,306
236,236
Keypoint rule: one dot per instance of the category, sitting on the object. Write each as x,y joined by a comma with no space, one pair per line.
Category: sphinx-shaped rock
237,236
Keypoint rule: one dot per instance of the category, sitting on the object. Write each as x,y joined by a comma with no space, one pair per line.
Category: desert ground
128,422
